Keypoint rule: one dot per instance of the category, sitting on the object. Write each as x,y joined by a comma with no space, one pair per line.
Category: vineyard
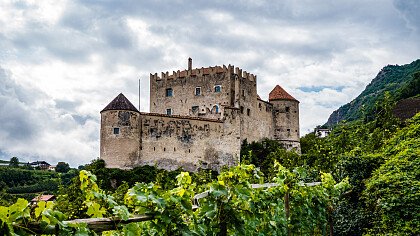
233,205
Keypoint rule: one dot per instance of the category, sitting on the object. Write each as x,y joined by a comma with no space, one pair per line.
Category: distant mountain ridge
401,81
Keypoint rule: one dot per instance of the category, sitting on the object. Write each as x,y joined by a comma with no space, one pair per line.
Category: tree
62,167
14,162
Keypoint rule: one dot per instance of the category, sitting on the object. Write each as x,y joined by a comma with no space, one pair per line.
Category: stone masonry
198,119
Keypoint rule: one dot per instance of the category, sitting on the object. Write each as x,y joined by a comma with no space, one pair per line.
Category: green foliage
401,81
393,191
14,162
232,206
265,153
62,167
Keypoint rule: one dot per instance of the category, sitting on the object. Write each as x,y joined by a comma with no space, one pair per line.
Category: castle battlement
198,72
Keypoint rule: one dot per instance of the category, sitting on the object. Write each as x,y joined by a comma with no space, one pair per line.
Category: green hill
401,81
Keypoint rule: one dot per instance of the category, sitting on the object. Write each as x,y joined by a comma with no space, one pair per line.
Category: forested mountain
401,81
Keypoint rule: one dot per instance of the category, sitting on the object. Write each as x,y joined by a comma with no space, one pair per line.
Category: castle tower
120,133
286,118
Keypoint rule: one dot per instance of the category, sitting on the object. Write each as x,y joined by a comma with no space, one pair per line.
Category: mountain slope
401,81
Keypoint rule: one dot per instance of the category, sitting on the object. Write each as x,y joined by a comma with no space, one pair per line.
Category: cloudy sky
61,62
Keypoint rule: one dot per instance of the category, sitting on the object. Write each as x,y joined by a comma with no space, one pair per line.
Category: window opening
248,111
169,111
242,110
194,109
169,92
116,130
217,89
197,91
216,109
287,109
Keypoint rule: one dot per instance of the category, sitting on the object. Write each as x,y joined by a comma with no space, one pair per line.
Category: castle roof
278,93
120,103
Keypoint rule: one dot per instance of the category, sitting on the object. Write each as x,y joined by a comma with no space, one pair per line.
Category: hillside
401,81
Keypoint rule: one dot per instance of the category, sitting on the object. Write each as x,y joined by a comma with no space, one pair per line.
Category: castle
198,119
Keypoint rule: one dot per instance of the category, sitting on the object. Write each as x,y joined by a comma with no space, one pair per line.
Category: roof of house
40,163
120,103
43,198
278,93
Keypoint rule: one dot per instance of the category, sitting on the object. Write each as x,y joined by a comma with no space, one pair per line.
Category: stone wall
120,150
170,142
286,123
184,101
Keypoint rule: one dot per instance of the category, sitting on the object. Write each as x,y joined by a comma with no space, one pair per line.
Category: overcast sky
62,62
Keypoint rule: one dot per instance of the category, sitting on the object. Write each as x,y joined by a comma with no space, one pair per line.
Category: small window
169,92
216,109
243,93
197,91
242,110
248,111
194,109
287,109
169,111
116,130
217,89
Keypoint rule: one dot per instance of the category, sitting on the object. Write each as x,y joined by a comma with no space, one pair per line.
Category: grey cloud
410,11
67,105
15,118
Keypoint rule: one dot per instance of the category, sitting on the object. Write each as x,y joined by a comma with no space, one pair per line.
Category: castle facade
198,119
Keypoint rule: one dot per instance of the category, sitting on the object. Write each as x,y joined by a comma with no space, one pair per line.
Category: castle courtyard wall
170,142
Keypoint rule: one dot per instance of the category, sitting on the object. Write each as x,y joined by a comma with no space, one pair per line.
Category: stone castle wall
170,142
120,150
184,84
286,125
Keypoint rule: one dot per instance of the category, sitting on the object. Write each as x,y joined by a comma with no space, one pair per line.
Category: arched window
216,108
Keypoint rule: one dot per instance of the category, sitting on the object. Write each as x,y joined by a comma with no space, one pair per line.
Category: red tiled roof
278,93
44,198
120,103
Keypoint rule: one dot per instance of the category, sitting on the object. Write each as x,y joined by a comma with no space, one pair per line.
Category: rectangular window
197,91
116,130
242,110
248,111
217,89
169,111
287,109
169,92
